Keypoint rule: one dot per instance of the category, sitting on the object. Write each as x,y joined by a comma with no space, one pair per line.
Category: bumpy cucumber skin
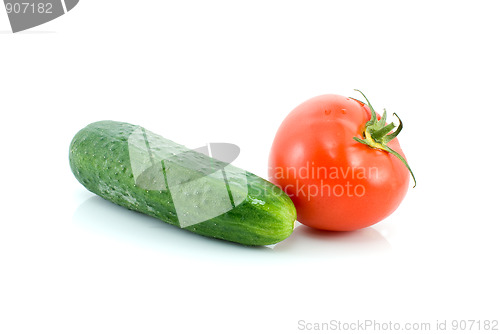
99,159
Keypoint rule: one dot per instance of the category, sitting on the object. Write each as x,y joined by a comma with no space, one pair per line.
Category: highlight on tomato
340,163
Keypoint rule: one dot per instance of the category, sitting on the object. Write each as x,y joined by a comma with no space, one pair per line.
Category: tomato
340,163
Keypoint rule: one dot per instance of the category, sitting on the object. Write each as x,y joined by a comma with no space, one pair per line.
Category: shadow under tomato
313,243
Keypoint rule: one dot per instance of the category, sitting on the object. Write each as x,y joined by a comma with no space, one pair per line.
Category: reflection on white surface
106,219
310,243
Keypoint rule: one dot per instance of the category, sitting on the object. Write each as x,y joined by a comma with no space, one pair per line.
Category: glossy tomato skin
335,182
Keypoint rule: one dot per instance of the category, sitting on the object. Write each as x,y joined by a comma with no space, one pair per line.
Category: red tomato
337,182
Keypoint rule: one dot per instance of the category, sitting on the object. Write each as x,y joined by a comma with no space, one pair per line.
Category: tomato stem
377,134
398,130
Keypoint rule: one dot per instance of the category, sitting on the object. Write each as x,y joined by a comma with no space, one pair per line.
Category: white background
228,71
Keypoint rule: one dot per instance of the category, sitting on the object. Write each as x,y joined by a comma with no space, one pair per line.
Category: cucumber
142,171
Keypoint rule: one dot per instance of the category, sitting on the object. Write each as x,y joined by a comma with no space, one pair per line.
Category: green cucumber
144,172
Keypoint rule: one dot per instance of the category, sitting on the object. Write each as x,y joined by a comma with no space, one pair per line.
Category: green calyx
377,134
